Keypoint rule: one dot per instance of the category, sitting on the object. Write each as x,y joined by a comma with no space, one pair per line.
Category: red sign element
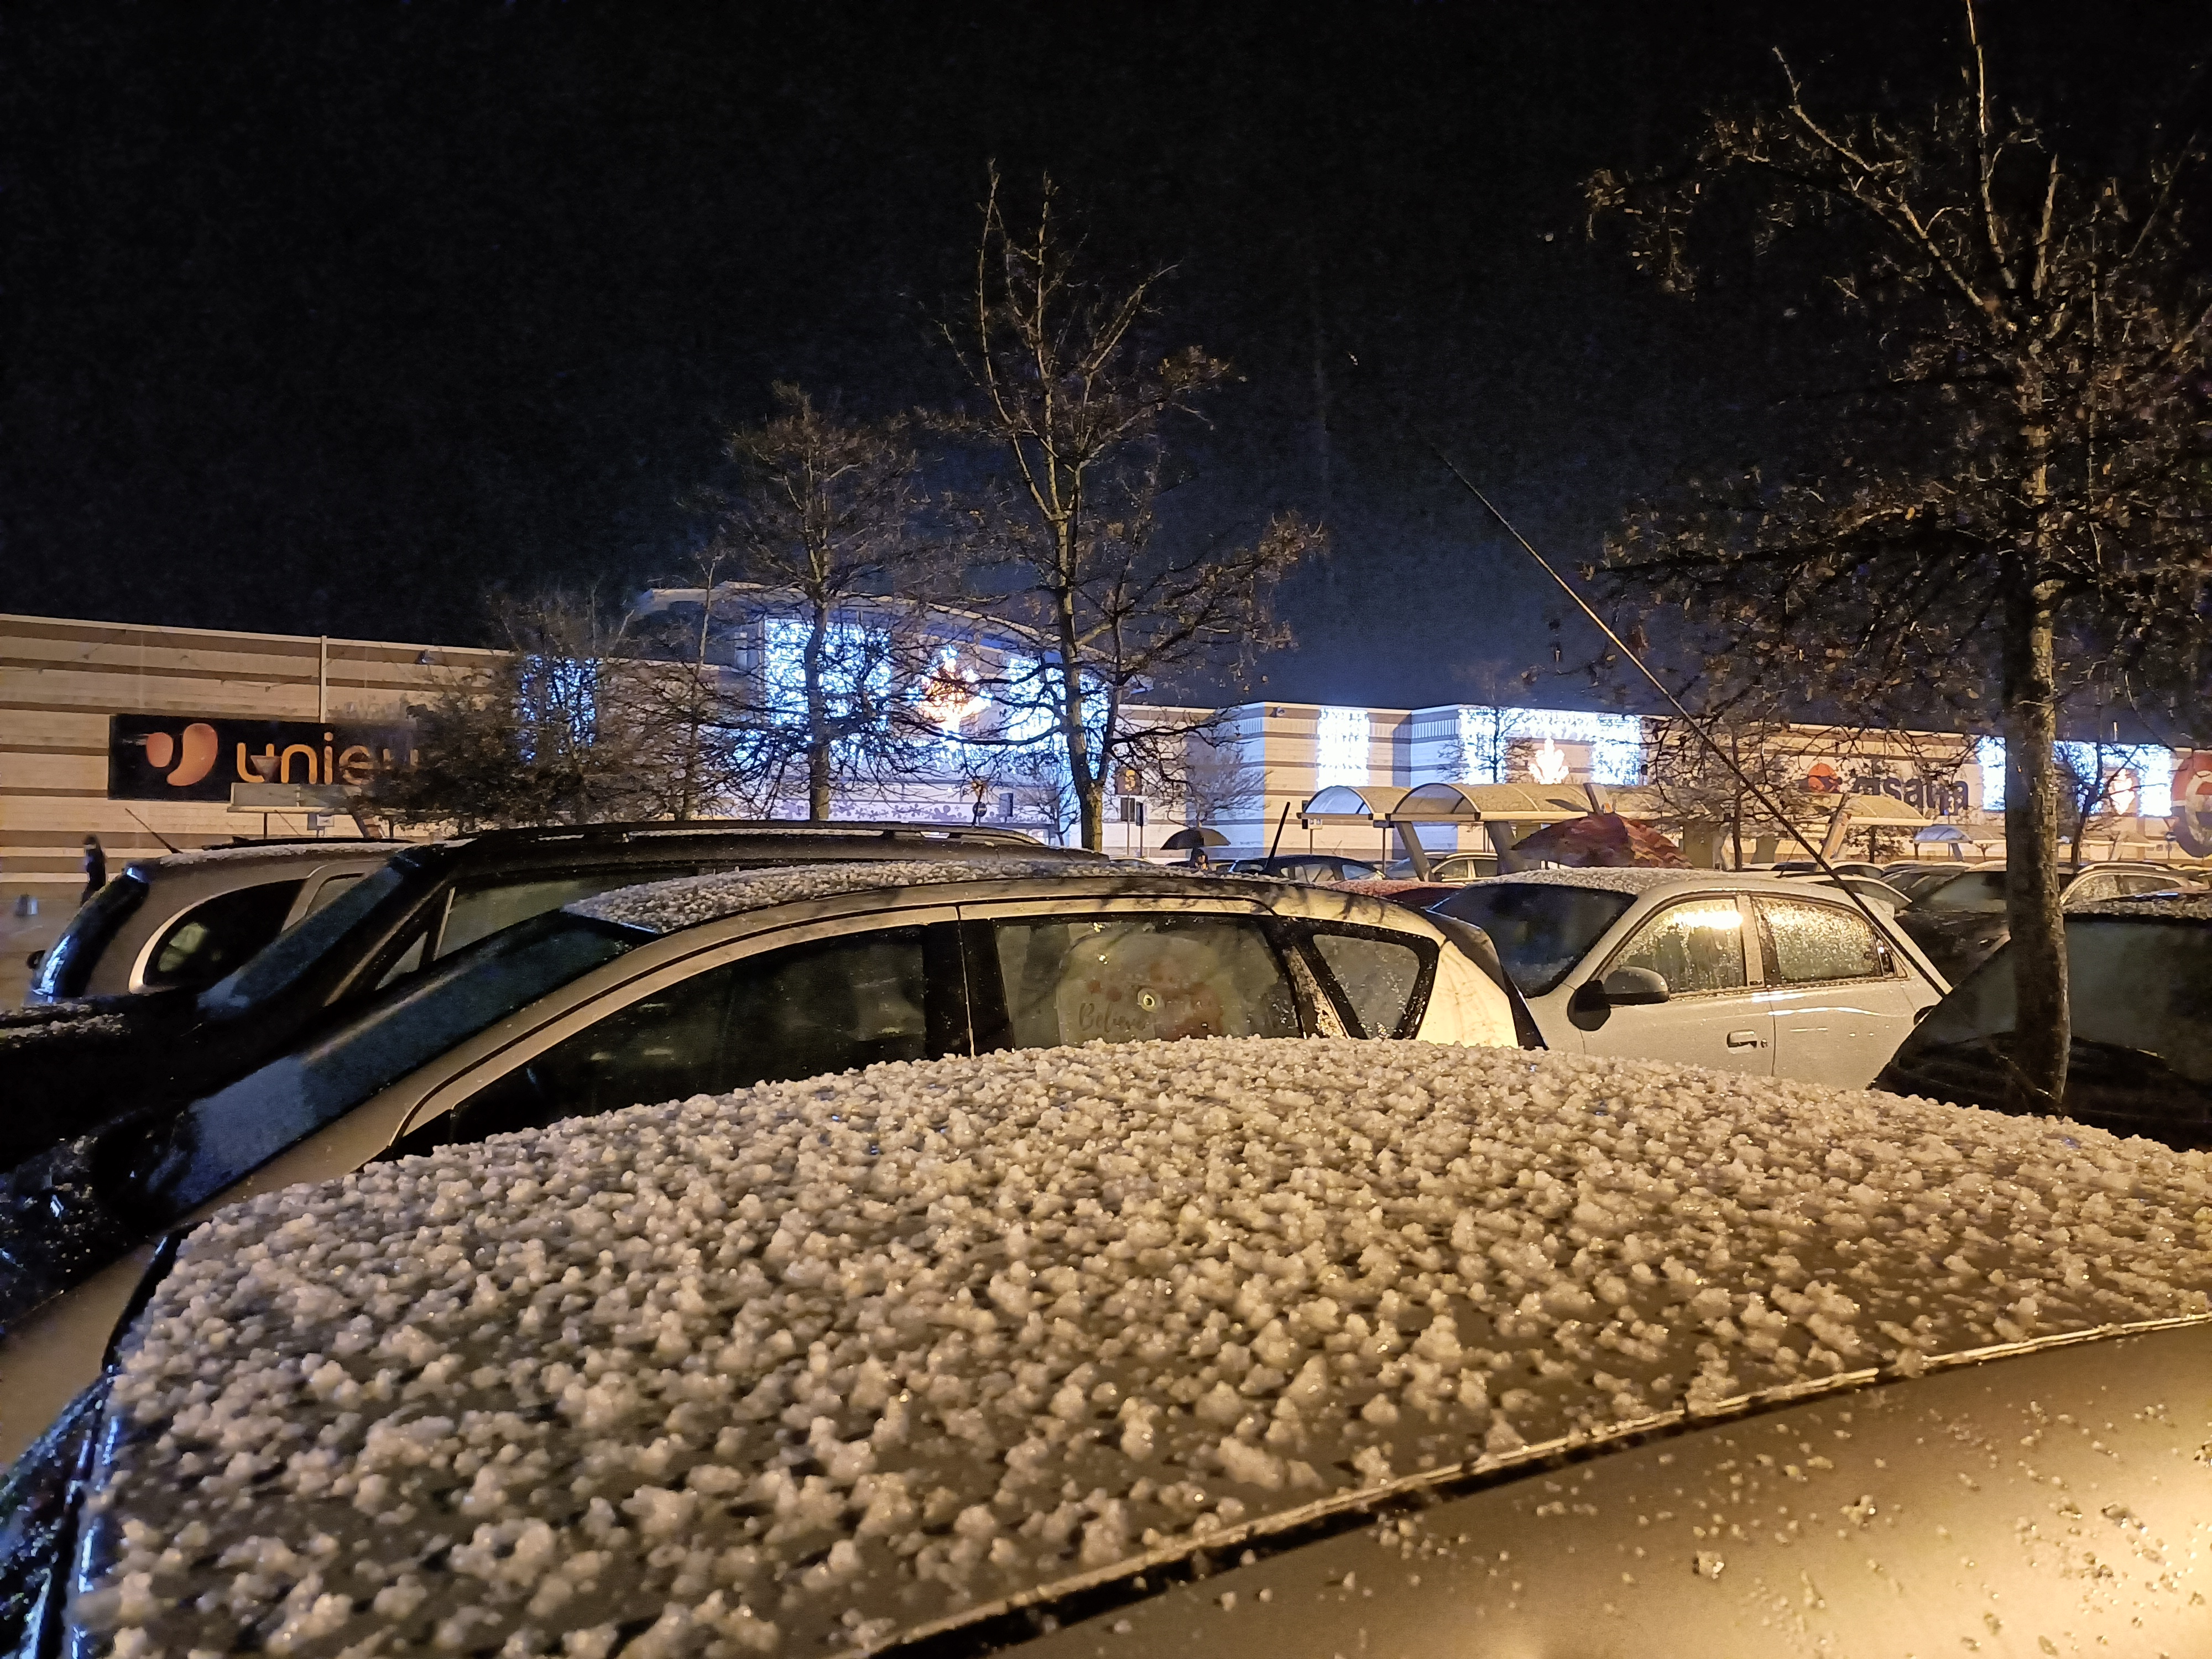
1824,780
2193,804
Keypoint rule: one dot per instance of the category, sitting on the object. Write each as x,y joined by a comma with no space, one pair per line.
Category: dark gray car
1218,1346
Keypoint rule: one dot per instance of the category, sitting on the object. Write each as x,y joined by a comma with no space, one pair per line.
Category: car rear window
1981,891
1378,977
2136,985
1540,929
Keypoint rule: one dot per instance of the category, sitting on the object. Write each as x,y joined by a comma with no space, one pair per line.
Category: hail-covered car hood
841,1360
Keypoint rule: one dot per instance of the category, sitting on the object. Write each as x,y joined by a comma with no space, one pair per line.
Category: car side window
1696,946
1378,978
210,939
1124,979
828,1006
1808,944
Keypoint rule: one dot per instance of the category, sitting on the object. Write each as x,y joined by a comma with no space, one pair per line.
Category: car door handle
1745,1040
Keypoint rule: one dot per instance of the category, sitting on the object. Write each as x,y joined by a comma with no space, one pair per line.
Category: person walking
96,868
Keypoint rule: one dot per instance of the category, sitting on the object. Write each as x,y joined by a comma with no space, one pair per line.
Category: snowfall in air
821,1362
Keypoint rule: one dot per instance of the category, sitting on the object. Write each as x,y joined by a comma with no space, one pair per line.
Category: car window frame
580,1006
1888,947
1416,1006
1754,953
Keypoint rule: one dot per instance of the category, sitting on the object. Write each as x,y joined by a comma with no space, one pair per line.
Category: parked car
1308,866
1869,888
1914,879
1448,867
1958,923
1760,974
2139,987
1220,1346
184,921
677,988
1842,867
66,1066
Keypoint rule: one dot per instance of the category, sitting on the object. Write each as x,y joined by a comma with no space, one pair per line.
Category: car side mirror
33,960
1633,987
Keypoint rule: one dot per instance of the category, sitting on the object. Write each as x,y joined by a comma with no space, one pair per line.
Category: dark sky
324,317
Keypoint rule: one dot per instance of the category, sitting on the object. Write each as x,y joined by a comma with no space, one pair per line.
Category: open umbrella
1194,841
1601,840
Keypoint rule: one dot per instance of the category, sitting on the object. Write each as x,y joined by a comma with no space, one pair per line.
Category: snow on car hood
666,906
826,1362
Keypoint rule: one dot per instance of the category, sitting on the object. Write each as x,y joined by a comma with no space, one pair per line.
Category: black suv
66,1068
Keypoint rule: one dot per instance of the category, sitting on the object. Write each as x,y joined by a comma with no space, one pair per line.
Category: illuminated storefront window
1339,747
2141,774
1487,738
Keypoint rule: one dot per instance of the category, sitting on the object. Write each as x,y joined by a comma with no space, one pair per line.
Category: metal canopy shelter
1502,808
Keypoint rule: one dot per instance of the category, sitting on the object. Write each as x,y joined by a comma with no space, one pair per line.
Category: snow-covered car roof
2148,907
289,851
1641,881
850,1360
667,907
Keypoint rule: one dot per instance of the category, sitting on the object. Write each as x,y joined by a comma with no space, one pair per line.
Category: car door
1839,994
1713,1015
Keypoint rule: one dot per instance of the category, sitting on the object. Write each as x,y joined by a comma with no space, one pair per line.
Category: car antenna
152,831
1277,840
1711,742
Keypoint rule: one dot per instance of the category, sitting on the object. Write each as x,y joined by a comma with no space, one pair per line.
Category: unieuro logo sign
178,758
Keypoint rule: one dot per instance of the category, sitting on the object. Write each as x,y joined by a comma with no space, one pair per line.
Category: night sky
326,317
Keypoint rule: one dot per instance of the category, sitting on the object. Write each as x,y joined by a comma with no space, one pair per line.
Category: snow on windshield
816,1363
664,907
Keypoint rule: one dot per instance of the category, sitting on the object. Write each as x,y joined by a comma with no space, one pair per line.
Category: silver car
708,983
1772,975
1219,1348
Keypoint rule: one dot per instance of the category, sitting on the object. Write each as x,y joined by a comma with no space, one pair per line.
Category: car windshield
1541,930
301,945
1982,892
2138,985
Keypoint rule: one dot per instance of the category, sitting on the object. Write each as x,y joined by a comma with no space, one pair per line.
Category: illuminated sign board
182,757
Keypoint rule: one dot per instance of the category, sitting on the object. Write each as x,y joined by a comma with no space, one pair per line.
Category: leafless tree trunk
2014,504
1070,550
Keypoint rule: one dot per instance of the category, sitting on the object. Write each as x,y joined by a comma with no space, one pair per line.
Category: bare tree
2099,779
827,522
1692,783
1070,551
549,736
1216,781
2015,508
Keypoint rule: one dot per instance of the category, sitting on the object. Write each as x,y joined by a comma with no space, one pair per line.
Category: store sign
1926,793
2192,804
177,757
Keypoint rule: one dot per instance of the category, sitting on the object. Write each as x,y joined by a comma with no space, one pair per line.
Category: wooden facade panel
29,769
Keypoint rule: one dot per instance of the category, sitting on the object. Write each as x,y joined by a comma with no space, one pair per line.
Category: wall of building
63,682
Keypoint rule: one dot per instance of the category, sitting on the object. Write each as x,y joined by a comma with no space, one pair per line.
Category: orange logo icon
197,760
